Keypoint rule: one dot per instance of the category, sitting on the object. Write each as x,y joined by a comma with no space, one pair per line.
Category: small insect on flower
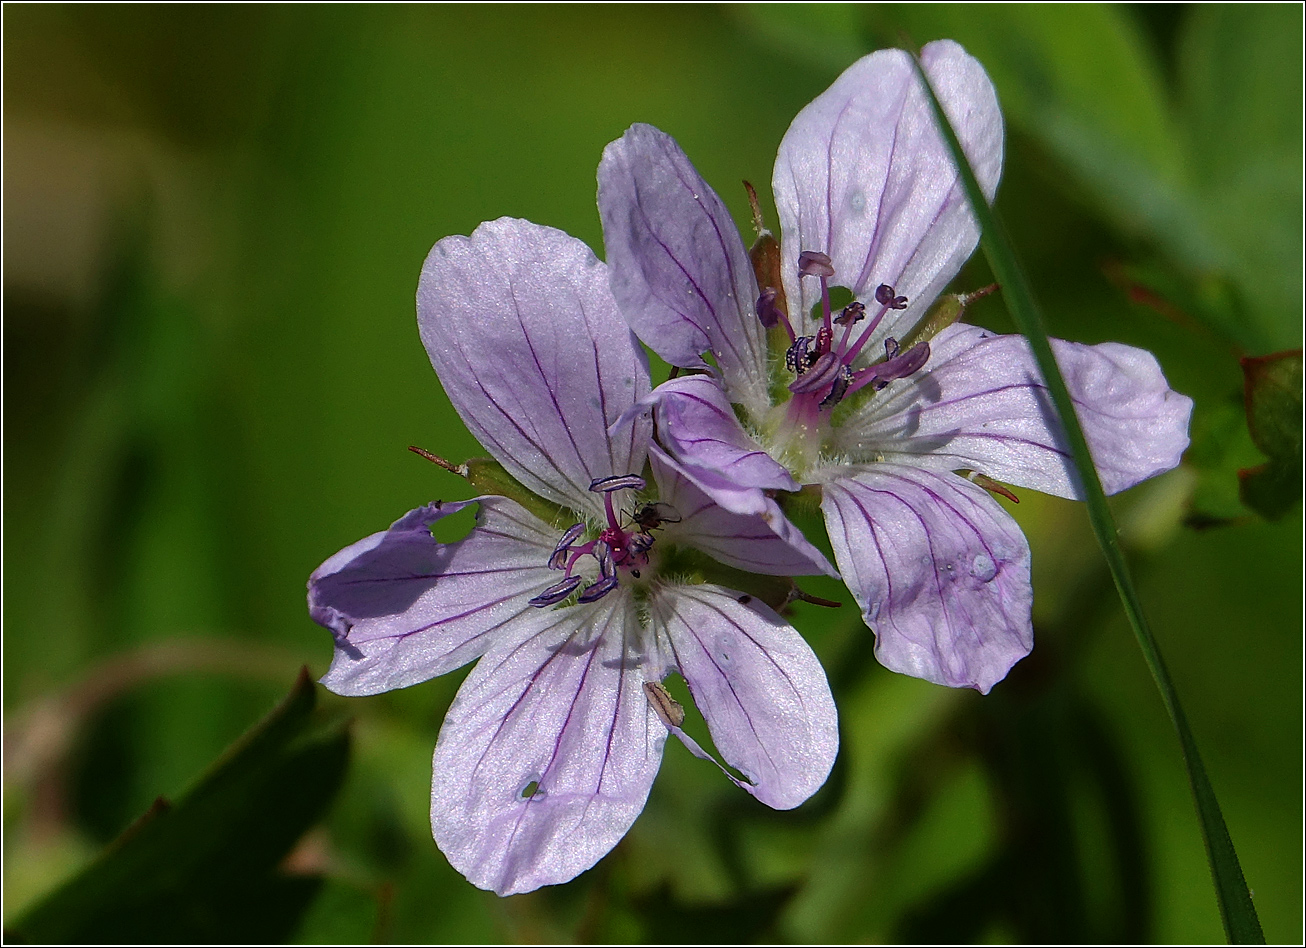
651,516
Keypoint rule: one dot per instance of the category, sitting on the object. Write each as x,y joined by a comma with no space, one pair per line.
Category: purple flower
549,749
884,410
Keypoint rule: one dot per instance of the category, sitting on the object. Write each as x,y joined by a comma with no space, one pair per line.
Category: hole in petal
454,527
529,789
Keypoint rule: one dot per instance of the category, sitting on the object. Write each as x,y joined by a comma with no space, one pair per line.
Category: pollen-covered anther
800,356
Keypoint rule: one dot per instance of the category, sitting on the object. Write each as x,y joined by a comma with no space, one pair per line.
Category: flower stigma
822,369
622,545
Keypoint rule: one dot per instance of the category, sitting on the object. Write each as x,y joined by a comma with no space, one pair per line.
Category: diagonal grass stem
1241,924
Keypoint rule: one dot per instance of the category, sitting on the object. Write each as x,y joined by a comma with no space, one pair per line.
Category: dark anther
852,313
901,365
800,355
885,296
605,485
767,311
598,590
814,263
557,592
639,543
838,389
890,348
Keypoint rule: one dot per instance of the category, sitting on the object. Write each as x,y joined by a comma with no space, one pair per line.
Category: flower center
621,546
822,363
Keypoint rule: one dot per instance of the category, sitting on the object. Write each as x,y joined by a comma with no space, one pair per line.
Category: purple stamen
898,367
772,315
814,263
559,558
606,485
557,592
839,388
598,590
885,295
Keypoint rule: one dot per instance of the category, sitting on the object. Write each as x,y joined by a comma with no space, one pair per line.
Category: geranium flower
881,409
547,754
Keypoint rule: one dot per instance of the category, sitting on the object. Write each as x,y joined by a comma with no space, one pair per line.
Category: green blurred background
214,218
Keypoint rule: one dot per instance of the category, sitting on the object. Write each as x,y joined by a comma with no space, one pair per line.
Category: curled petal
941,572
759,686
981,404
548,752
768,543
679,268
522,329
698,427
405,608
864,175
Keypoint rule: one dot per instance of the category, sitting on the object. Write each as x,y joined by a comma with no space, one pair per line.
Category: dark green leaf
1273,396
1241,97
1236,908
207,868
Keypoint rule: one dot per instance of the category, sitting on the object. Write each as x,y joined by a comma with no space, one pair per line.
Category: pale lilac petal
940,571
697,426
405,608
522,329
748,542
759,686
561,706
864,176
679,268
981,404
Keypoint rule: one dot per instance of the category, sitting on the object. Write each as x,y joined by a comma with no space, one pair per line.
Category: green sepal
945,312
490,477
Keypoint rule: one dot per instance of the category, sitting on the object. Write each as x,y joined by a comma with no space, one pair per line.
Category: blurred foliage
1273,386
214,222
208,868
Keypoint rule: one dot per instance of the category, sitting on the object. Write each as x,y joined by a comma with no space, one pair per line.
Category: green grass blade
1241,924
